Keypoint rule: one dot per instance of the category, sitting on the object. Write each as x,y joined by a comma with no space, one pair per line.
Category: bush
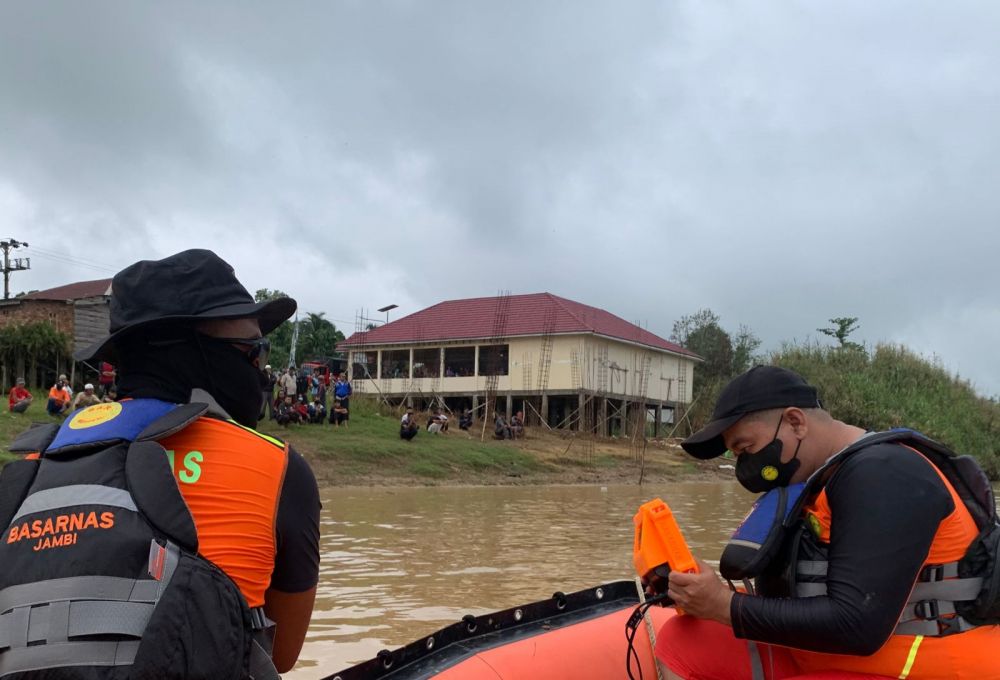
894,387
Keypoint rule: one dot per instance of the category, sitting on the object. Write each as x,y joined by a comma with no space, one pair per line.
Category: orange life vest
967,655
231,477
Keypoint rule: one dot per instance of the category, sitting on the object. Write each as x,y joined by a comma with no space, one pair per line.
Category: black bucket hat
194,285
759,389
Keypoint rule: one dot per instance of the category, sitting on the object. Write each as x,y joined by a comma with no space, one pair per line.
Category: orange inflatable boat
575,635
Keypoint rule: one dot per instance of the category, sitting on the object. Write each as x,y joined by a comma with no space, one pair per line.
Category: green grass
13,424
891,386
370,445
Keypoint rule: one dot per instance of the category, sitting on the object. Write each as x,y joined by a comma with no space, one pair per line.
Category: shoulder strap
156,494
15,481
35,439
106,424
820,477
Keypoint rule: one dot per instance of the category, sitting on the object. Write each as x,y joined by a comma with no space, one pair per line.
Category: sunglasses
260,348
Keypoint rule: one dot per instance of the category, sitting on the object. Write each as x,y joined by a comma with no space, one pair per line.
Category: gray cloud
780,164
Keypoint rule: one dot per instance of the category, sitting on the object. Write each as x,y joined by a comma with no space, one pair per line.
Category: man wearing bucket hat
191,538
866,571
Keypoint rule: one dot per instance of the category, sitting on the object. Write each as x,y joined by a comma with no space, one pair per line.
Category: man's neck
842,435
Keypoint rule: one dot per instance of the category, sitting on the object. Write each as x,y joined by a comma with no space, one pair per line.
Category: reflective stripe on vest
78,494
928,601
39,621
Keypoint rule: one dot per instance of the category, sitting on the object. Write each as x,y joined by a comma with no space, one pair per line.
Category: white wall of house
576,363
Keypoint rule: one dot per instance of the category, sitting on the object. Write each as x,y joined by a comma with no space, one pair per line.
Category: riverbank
369,452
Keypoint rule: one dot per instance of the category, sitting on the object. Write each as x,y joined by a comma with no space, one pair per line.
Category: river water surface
399,563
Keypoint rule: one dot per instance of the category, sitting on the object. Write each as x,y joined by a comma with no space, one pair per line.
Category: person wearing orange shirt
59,399
210,527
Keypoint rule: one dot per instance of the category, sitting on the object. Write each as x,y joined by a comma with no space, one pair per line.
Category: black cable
632,629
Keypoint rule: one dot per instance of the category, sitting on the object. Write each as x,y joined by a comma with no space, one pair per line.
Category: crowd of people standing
295,397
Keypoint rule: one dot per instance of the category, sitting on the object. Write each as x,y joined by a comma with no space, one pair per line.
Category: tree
280,337
318,337
745,346
845,325
37,343
724,357
686,325
714,346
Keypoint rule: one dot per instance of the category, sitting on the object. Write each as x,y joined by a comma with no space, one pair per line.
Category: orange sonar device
659,547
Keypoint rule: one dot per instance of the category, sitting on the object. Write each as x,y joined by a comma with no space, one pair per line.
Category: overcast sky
780,163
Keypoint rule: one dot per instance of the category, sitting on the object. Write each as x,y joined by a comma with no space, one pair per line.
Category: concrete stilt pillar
545,410
656,423
581,400
510,406
602,429
475,407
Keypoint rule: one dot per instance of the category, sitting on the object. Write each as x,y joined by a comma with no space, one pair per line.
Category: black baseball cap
194,285
759,389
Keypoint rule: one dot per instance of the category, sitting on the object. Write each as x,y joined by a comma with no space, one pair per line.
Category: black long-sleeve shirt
886,503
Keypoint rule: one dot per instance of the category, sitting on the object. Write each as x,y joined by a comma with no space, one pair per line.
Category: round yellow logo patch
770,473
97,414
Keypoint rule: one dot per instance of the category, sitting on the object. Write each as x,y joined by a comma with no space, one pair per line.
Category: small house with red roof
78,309
557,360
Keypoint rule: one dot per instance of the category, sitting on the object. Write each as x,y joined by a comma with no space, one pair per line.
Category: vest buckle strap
927,610
934,572
259,620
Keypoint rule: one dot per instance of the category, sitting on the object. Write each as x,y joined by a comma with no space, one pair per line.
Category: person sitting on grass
286,413
341,414
20,397
438,422
302,409
500,428
317,412
59,399
85,398
517,425
465,420
408,426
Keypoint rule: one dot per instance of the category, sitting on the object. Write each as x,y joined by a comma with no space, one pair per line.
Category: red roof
72,291
476,318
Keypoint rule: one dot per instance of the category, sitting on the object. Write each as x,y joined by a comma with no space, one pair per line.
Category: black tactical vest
101,576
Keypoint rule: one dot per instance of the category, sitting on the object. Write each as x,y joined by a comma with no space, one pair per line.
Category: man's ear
796,417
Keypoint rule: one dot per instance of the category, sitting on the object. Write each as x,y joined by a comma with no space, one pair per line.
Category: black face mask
762,471
234,382
168,364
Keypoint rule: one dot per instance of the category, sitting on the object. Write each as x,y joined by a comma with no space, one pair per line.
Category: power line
64,259
73,258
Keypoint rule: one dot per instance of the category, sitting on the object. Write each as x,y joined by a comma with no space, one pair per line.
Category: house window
459,362
396,363
427,363
365,365
493,360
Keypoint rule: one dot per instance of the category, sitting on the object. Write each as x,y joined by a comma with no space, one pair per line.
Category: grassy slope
891,386
370,447
371,452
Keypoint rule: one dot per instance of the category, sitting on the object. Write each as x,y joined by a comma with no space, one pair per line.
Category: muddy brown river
399,563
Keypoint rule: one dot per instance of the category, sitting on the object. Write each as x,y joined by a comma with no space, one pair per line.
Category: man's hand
702,595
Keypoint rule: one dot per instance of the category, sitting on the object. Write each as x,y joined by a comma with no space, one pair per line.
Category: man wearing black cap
839,594
188,341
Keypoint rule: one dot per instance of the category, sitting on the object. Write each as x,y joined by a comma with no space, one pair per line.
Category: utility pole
19,264
295,341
